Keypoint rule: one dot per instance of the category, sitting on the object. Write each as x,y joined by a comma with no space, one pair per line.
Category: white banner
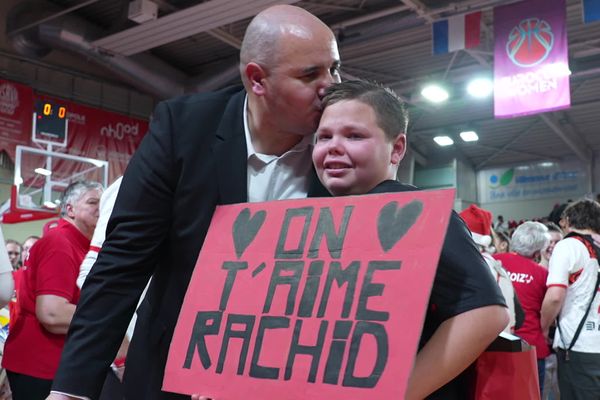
533,181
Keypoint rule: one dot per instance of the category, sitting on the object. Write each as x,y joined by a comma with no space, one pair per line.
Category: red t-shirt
52,268
529,280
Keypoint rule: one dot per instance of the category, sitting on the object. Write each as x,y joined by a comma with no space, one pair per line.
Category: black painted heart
393,222
245,228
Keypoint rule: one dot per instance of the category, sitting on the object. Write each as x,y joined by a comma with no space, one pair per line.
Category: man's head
529,239
361,138
501,241
80,205
27,245
582,215
288,57
14,250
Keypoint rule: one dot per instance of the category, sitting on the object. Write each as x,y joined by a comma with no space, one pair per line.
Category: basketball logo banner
531,63
320,299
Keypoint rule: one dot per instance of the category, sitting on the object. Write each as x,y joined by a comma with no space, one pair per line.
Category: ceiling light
42,171
480,87
469,136
435,93
443,140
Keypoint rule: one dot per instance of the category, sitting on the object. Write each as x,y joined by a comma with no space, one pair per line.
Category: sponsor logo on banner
530,42
531,70
120,130
504,179
9,98
76,118
528,182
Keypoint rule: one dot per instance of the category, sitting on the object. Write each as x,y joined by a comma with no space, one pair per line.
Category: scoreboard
50,123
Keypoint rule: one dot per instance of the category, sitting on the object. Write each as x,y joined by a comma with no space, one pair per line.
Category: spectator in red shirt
48,294
14,250
27,245
529,280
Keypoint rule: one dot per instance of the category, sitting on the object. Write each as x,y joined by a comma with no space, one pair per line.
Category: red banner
93,132
16,105
101,134
320,299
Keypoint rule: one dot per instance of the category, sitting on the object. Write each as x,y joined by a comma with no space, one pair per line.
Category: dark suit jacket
193,158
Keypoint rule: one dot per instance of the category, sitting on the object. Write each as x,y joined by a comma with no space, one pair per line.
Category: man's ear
70,213
255,74
399,149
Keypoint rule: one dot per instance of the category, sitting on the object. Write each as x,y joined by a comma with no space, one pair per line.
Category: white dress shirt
277,177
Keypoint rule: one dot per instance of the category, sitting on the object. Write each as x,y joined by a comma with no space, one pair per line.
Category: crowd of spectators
552,262
44,271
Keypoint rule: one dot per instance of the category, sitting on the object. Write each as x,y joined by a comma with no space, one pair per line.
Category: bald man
240,144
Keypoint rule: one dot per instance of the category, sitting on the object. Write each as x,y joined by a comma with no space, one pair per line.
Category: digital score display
50,122
50,110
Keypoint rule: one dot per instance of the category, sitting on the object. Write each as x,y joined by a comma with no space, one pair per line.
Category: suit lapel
231,154
231,157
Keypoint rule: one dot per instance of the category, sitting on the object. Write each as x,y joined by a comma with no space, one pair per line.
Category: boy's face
352,154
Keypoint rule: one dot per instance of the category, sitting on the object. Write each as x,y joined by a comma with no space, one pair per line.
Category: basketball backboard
41,177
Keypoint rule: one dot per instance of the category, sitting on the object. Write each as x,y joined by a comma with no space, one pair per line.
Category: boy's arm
453,347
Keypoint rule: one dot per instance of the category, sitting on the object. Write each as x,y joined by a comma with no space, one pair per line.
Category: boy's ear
399,149
255,74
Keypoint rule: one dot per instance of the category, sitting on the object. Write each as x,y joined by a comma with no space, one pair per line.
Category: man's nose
327,81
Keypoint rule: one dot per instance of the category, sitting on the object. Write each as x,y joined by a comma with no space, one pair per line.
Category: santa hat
479,222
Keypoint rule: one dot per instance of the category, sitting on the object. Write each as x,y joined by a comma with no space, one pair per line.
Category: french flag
456,33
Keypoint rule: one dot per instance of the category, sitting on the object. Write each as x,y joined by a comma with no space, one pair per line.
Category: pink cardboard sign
309,299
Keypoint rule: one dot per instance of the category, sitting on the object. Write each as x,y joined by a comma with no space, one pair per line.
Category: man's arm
553,302
139,223
453,347
54,313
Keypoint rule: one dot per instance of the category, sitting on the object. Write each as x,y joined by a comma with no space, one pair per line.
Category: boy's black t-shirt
463,282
